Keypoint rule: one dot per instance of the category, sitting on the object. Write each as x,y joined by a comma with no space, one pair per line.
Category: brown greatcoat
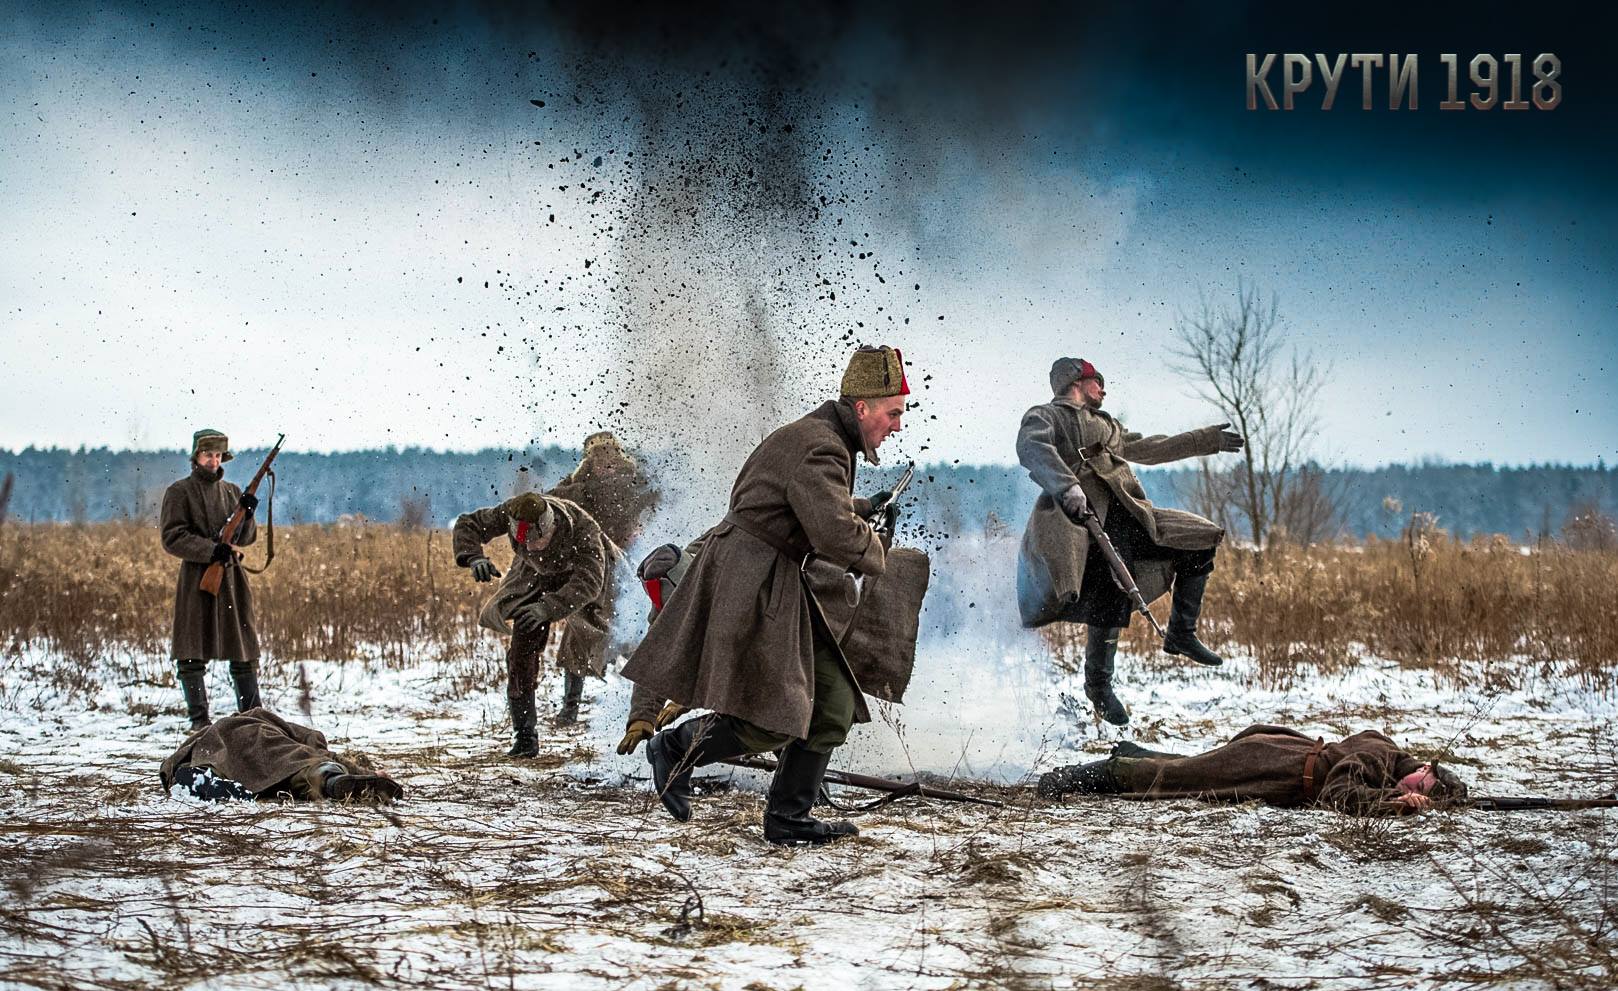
1050,569
207,627
259,749
737,636
617,495
1357,775
569,576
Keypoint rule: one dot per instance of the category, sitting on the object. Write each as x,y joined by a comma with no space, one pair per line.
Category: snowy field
564,872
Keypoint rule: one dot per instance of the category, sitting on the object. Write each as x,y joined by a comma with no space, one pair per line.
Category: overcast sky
363,231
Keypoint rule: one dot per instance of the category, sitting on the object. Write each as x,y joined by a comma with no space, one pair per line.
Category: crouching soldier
559,569
1364,774
610,486
257,754
1061,577
210,627
752,632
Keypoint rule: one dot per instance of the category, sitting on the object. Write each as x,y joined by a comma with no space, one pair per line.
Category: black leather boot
675,752
792,795
194,683
525,741
340,786
244,678
1181,636
572,692
1094,778
1128,748
1100,650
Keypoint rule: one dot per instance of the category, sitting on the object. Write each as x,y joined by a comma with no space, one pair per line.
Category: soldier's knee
191,666
243,667
1194,564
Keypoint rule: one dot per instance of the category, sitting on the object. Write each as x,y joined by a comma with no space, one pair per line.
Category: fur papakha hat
600,439
207,439
875,373
531,508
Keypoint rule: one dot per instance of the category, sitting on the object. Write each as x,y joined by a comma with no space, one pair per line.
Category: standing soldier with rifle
1080,456
203,521
610,486
753,631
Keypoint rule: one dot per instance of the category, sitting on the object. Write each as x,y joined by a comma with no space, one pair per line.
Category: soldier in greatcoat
751,633
1363,774
1060,576
610,486
210,627
257,754
558,570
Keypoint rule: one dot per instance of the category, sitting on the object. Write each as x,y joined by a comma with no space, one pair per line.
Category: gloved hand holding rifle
1077,508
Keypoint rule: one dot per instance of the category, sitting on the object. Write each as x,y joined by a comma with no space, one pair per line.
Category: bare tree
1239,358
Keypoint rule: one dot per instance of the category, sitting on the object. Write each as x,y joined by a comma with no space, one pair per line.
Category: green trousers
830,719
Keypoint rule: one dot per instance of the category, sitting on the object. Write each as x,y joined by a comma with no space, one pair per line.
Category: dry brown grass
334,592
1429,601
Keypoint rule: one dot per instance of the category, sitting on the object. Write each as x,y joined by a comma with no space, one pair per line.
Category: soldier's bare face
210,460
1419,782
1091,392
879,418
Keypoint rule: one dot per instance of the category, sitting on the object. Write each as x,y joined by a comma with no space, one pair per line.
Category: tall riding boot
1100,649
675,752
1181,636
244,678
194,683
526,736
792,796
1098,777
572,691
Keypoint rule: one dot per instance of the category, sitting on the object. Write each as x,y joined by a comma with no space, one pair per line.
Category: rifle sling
269,532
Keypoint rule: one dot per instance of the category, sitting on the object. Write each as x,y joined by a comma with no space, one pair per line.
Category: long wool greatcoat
1357,775
207,627
737,635
617,496
260,750
569,576
1050,569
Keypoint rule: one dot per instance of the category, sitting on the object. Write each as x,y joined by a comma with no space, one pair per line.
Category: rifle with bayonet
1120,571
215,575
894,789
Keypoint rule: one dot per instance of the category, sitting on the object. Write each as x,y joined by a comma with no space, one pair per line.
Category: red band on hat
522,532
904,387
1087,370
654,591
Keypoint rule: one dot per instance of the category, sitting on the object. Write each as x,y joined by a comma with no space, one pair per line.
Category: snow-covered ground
564,872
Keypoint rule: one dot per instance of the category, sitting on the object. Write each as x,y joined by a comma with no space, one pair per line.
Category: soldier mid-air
1061,576
558,570
210,626
752,632
610,486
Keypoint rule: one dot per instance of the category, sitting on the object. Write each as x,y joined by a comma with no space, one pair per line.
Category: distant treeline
432,487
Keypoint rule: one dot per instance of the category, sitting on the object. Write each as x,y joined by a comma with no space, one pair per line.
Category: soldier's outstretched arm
474,529
1161,448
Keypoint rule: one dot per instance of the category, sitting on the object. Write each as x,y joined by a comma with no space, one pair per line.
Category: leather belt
1311,787
798,556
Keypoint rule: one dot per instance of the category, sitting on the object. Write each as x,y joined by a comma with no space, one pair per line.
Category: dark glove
881,499
1073,503
1229,440
637,732
249,502
223,553
531,618
484,570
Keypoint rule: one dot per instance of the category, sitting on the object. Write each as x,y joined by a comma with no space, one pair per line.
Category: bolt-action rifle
879,517
1120,571
895,789
1518,803
215,574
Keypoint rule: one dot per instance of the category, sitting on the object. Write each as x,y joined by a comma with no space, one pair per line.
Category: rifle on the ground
1120,571
894,789
215,574
1517,803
